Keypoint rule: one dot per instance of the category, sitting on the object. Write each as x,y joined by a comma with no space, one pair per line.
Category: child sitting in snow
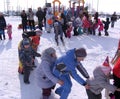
9,31
100,81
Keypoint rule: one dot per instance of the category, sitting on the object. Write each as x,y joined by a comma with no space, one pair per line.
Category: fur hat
26,41
81,52
50,50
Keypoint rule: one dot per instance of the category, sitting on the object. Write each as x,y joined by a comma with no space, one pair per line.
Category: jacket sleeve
48,72
77,78
35,53
83,71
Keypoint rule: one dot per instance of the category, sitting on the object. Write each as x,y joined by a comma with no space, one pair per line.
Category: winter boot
99,34
106,34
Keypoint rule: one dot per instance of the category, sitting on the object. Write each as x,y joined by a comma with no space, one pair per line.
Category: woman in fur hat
44,77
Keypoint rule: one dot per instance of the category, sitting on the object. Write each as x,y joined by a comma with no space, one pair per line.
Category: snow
11,82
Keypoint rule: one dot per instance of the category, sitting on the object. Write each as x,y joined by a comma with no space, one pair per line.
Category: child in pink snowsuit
9,31
69,29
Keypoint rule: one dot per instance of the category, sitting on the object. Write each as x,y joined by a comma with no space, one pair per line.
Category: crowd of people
54,70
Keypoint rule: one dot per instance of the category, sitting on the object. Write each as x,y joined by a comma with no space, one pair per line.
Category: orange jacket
36,40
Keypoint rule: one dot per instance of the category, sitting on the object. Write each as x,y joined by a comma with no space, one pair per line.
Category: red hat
106,62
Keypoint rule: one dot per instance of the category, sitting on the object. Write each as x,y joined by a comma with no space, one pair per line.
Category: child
36,39
9,31
100,81
106,26
69,29
26,54
58,32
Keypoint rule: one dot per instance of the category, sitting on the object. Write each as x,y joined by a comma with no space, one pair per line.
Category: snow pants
65,89
27,70
91,95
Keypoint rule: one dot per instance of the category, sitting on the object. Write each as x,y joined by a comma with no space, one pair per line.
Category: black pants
117,84
75,31
2,35
31,24
24,24
91,95
27,70
40,24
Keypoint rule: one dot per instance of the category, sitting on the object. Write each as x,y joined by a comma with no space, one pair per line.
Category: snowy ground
11,83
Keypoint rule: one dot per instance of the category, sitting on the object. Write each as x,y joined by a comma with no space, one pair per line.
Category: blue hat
26,41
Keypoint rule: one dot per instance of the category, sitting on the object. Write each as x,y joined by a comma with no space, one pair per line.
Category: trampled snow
11,82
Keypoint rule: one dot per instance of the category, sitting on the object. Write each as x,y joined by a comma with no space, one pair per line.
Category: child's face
27,46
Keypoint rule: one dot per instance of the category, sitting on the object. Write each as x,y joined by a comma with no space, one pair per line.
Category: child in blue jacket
26,54
65,67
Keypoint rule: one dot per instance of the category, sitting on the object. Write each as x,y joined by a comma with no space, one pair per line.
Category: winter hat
26,41
38,32
81,52
106,67
50,50
106,62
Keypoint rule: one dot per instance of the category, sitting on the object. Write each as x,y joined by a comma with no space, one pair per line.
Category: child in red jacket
36,39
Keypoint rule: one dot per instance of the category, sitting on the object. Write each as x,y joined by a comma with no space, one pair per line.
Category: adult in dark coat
106,26
24,20
63,23
40,16
2,26
113,19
